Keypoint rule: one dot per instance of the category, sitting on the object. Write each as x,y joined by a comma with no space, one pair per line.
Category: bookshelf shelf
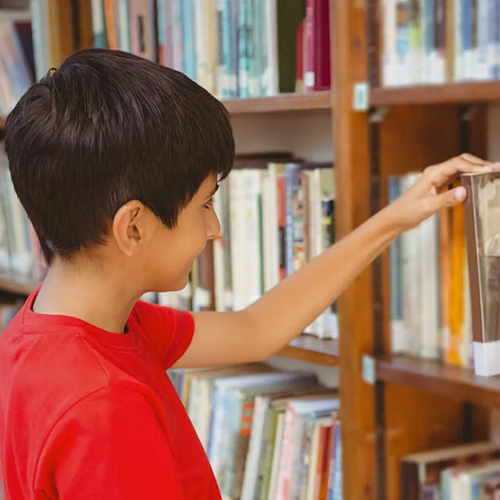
454,93
17,284
450,381
313,350
280,103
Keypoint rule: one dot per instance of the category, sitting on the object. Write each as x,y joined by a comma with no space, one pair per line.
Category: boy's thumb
451,198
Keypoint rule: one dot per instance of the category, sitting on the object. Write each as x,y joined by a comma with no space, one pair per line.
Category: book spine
415,53
110,24
251,49
310,56
234,53
242,49
123,16
440,41
258,45
400,74
482,70
189,52
270,74
289,239
98,25
177,38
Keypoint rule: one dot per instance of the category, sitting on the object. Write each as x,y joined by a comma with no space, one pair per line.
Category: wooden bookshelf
313,350
453,93
280,103
450,381
17,284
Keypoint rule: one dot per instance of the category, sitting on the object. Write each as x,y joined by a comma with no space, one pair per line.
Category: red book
324,462
317,40
299,78
323,64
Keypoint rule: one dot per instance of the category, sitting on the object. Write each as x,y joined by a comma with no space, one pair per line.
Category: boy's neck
92,293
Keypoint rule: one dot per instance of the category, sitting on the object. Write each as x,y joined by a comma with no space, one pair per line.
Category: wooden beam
350,130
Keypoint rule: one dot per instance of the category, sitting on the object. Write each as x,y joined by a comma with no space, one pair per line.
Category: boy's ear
128,227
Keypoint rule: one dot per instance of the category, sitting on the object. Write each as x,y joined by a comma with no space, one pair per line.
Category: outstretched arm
262,329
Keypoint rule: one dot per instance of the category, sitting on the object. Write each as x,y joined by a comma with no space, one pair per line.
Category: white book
276,463
429,289
253,262
269,228
389,78
270,75
238,246
482,62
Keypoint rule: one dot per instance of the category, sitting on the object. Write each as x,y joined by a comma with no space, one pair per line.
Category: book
421,473
483,252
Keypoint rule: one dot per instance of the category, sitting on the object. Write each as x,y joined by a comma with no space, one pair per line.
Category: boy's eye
209,203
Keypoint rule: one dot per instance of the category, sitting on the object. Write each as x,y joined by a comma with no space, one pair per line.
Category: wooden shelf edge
313,350
451,381
451,93
17,284
280,103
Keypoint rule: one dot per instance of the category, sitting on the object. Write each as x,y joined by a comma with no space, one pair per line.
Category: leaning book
482,223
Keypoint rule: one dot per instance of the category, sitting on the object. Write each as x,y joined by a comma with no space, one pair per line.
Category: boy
116,160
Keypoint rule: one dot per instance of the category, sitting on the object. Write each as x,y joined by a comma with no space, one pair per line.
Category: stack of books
233,48
440,41
468,472
275,217
20,252
429,286
16,58
268,434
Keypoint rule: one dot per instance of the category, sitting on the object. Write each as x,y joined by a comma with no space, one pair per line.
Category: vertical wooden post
350,129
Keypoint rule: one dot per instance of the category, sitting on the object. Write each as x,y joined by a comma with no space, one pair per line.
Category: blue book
242,49
337,474
225,89
291,168
188,34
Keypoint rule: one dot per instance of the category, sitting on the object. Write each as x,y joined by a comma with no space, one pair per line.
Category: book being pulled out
482,223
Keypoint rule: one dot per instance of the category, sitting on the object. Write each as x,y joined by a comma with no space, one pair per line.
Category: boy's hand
430,193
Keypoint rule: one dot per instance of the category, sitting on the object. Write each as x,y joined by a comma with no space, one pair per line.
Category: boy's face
171,252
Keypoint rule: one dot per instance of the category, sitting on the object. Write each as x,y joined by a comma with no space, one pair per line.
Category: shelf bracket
378,114
368,369
361,96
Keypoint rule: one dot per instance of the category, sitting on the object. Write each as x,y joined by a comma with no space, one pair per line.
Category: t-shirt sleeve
169,331
109,446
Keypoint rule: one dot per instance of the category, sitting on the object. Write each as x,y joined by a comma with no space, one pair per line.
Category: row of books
429,286
20,252
467,472
16,58
268,434
439,41
233,48
273,219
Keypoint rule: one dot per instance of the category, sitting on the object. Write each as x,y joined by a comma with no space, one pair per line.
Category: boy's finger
448,199
440,175
475,159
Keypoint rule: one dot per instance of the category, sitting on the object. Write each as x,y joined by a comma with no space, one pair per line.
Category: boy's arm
262,329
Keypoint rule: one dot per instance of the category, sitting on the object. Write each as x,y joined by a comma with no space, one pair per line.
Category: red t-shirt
89,414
